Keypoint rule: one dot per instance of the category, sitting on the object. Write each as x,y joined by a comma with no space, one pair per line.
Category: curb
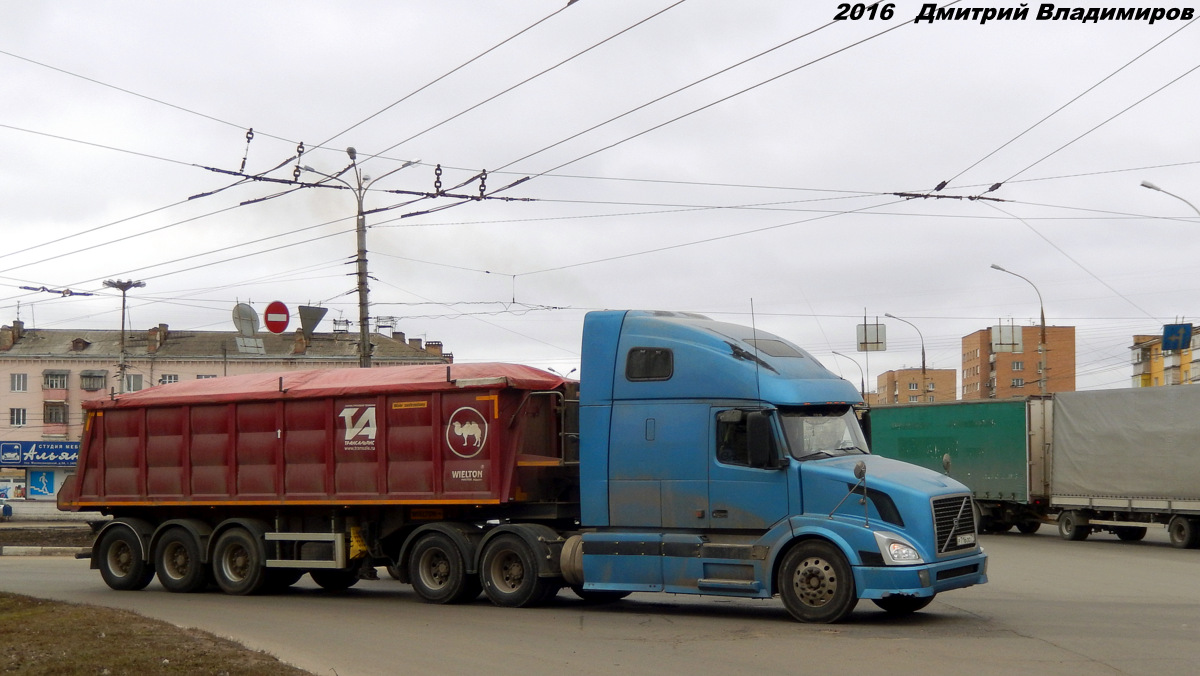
22,550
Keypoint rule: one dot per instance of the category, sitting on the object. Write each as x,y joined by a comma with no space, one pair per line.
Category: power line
444,76
136,94
1060,109
711,104
533,77
1110,119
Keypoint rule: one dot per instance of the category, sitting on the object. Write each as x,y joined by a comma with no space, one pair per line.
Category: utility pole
359,188
124,286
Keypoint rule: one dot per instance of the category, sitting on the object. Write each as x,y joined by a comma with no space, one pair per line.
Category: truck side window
732,447
649,363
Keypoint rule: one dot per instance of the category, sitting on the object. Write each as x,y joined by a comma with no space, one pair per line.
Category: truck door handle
720,514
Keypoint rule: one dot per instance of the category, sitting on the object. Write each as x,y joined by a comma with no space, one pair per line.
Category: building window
914,398
54,414
1018,382
929,387
168,378
914,386
93,380
930,398
204,377
16,417
1018,366
54,380
133,382
18,382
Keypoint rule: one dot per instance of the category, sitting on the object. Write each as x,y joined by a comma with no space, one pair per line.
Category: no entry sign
276,317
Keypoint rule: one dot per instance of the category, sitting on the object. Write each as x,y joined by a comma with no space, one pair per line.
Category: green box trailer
997,447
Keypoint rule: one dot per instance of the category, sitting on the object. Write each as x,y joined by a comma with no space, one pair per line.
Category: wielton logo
466,432
360,426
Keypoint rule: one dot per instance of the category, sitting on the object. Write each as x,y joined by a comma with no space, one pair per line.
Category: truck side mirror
760,437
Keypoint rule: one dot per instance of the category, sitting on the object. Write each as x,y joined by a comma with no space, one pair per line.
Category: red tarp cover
334,383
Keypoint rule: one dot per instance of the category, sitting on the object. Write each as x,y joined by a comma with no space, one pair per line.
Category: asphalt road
1052,607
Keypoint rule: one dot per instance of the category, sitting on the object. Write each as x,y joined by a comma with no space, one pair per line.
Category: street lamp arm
1148,184
919,335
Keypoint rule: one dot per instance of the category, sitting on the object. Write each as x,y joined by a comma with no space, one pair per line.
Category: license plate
968,539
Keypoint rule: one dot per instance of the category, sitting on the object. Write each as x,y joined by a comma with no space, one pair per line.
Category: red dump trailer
330,472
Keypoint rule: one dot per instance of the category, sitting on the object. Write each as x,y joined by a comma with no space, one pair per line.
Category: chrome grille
953,519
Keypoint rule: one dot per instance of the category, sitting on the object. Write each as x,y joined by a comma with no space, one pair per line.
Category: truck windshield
823,432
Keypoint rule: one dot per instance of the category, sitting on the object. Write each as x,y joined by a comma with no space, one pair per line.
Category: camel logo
466,432
360,426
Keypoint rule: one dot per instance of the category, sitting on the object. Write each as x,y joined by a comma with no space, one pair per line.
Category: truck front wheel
816,584
120,560
237,566
438,572
1070,528
509,574
177,559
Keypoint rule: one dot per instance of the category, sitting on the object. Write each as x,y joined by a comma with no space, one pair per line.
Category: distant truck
700,457
1117,461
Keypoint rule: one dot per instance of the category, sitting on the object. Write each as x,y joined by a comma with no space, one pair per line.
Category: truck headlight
896,550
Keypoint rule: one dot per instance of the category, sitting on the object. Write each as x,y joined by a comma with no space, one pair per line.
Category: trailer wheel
121,563
1029,527
815,583
1183,532
1131,533
334,580
509,573
237,566
437,571
1069,527
177,559
902,605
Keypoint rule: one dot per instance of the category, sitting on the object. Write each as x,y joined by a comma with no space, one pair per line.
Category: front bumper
876,582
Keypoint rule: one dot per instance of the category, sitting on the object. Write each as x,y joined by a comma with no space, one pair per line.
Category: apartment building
911,386
1002,375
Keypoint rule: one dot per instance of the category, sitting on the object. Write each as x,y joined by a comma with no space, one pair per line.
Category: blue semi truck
699,457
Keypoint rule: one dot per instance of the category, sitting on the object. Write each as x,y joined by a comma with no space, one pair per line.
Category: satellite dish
245,320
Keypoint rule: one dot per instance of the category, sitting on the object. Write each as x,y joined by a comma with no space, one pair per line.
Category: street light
1148,184
924,385
862,386
1042,337
123,285
360,227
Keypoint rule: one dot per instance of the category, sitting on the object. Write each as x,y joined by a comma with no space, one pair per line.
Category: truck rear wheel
120,561
237,565
1183,532
438,571
1029,527
509,573
177,559
816,584
1070,528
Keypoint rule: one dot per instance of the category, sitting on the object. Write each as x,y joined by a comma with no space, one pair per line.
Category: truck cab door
746,491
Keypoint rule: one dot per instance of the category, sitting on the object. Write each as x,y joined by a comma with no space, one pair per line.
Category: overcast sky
703,156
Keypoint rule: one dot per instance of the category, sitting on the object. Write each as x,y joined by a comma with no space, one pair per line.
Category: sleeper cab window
649,363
